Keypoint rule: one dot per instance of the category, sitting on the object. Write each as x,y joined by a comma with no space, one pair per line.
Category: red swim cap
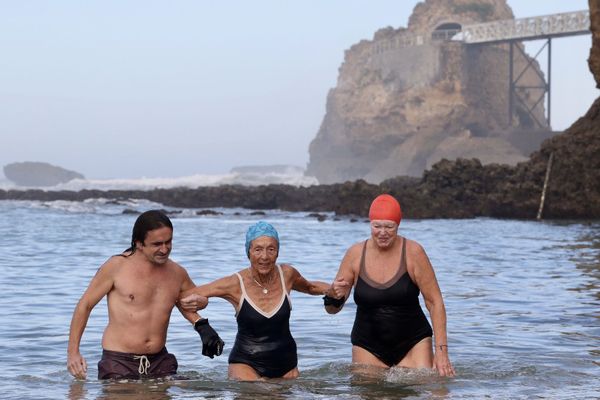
385,207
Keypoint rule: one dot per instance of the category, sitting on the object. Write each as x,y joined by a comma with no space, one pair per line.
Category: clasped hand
339,288
193,302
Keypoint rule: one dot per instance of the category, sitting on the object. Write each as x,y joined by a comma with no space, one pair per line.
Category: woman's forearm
438,320
318,288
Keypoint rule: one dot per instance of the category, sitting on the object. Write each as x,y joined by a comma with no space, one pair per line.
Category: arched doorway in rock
446,30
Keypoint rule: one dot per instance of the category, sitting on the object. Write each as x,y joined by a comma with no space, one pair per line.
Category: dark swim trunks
264,341
389,319
117,365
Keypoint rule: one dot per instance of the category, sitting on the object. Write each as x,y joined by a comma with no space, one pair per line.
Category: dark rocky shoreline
450,189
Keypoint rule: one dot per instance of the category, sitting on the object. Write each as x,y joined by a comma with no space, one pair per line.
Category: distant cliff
408,98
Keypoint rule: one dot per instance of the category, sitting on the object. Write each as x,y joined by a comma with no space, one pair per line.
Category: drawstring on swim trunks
144,364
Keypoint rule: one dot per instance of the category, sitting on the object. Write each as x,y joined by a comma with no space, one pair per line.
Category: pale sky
131,89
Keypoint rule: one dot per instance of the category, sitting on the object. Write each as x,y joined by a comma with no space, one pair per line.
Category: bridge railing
546,26
399,41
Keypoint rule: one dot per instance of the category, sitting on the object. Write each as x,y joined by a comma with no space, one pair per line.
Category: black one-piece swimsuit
389,319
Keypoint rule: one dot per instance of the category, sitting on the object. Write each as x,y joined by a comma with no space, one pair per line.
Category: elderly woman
260,294
387,272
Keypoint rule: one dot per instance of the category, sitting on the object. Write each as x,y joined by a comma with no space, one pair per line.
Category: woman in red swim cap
388,272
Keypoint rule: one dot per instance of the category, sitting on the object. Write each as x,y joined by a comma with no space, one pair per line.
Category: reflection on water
121,390
346,381
587,259
523,303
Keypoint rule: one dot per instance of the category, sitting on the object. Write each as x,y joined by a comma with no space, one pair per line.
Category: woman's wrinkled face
263,254
384,232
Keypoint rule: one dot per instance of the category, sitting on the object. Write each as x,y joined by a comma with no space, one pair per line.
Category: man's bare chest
142,288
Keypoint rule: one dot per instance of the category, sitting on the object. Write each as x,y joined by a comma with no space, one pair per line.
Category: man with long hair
142,286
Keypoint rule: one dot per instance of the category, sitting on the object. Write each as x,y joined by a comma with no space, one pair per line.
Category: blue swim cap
261,228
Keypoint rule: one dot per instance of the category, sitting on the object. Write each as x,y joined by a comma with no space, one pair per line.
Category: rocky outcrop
594,60
408,99
38,174
573,189
574,181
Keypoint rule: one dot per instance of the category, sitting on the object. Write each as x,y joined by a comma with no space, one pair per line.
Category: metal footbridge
514,31
532,28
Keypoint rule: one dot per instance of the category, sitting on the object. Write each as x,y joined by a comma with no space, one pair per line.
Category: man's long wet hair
146,222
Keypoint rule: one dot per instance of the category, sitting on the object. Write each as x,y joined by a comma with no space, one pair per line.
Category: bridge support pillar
514,89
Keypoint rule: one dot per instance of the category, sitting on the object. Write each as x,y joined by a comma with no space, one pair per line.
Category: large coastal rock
408,98
38,174
594,60
574,177
573,187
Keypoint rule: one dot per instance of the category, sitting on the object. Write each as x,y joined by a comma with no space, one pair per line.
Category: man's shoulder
110,266
176,271
175,267
114,262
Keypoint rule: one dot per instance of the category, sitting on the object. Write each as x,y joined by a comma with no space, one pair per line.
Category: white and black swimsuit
263,340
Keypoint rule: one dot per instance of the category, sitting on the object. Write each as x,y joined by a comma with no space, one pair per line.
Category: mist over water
290,176
522,299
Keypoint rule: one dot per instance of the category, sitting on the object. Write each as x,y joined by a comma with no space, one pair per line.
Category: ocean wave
289,177
108,206
92,206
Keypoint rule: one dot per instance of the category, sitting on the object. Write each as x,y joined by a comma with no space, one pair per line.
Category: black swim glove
212,345
332,301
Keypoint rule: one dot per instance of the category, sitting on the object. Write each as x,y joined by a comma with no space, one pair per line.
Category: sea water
522,301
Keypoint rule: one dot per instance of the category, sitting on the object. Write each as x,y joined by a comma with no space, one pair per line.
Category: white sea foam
107,206
291,176
91,206
6,184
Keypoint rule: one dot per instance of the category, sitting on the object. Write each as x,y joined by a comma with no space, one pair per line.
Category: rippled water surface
523,303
